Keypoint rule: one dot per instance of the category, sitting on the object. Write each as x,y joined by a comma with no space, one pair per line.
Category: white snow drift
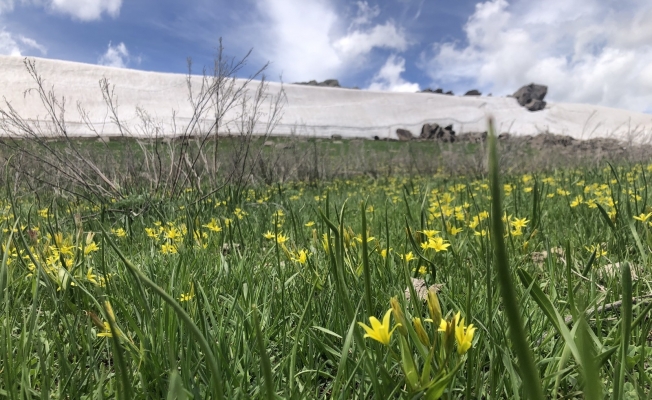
309,111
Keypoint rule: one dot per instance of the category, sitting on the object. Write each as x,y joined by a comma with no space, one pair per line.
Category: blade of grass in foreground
529,374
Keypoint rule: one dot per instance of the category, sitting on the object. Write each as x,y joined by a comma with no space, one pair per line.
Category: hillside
309,111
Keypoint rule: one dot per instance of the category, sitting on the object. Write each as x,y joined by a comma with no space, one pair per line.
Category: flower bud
448,330
433,307
421,333
399,317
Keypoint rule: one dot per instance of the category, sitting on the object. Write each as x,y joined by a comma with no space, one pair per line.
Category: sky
585,51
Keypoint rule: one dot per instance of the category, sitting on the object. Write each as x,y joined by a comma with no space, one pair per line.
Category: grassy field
263,293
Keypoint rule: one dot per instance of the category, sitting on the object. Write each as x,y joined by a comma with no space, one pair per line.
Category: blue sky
586,51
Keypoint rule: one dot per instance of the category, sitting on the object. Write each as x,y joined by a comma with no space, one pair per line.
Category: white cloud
12,45
308,40
115,56
87,10
586,51
389,77
31,43
8,45
298,38
359,42
365,14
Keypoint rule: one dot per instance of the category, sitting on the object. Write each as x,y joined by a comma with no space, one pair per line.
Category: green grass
199,313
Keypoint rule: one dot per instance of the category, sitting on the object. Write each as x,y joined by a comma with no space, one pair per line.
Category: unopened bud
421,333
433,306
399,317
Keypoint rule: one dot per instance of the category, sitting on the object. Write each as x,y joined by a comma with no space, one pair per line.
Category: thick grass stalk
365,260
529,374
265,363
626,330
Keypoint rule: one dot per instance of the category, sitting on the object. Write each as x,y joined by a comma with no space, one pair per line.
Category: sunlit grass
263,295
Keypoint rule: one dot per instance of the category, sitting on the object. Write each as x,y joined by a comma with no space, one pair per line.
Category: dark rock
331,83
336,137
473,92
404,135
535,105
436,132
439,90
450,93
376,138
531,96
326,83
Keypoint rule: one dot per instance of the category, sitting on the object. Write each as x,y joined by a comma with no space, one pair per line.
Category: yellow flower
119,232
429,233
152,233
310,223
168,249
482,233
173,234
91,277
185,297
377,331
517,223
454,230
408,257
383,253
438,244
268,235
301,257
643,217
280,238
213,226
90,247
599,251
577,201
463,335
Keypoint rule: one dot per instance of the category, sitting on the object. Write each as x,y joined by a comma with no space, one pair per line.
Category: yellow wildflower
379,331
213,226
463,335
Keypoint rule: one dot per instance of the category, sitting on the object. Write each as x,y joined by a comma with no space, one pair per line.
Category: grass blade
531,381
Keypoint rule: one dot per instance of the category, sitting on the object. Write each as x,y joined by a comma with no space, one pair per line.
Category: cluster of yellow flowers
439,343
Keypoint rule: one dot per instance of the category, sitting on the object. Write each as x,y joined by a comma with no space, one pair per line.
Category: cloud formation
586,51
310,40
389,77
87,10
115,56
361,42
18,45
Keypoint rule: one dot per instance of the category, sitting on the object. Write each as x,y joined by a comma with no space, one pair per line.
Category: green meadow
419,286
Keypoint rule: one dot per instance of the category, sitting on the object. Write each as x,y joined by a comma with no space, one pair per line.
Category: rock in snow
531,96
